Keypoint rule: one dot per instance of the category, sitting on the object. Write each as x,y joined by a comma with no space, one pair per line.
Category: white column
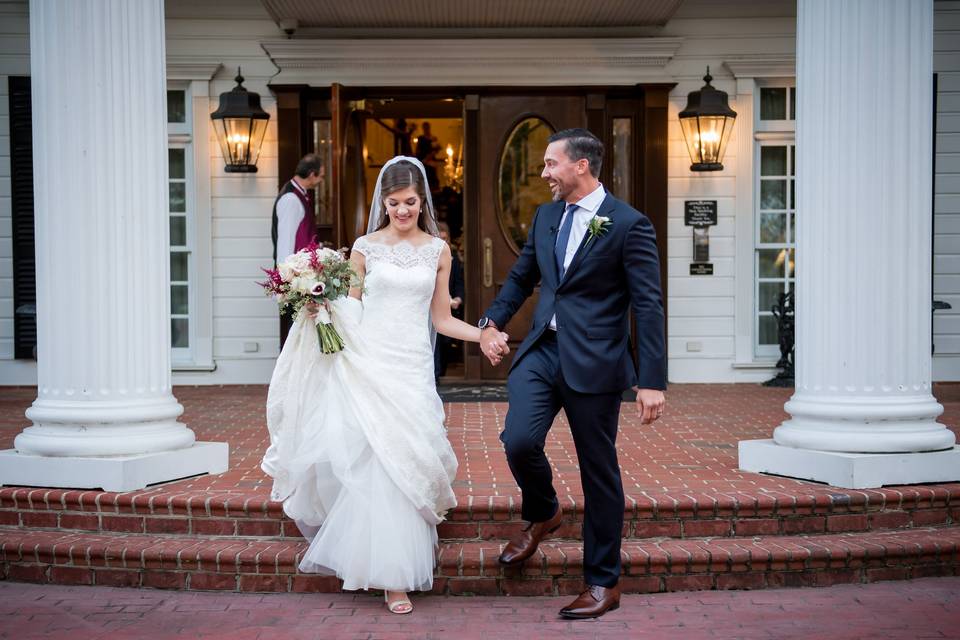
863,409
100,193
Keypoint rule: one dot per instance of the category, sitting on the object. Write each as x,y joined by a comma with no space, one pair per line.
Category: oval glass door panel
520,188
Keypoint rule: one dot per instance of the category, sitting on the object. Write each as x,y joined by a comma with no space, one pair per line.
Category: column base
114,473
850,470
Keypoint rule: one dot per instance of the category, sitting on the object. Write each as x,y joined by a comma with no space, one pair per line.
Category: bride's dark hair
402,175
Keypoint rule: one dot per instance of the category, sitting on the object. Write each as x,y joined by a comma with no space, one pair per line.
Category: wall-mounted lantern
706,123
240,124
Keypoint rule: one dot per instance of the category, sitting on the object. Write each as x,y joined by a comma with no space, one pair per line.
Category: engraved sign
700,213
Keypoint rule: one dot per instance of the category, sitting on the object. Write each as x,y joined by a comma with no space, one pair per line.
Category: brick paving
690,452
926,608
693,520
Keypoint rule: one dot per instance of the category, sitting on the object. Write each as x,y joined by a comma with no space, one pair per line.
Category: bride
358,449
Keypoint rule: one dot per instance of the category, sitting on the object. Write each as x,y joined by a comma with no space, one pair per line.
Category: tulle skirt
364,469
372,536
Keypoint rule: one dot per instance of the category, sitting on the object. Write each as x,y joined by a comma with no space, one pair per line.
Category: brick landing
693,521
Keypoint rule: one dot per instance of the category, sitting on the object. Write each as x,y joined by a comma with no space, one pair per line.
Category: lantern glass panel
220,129
691,135
725,136
238,139
712,137
256,140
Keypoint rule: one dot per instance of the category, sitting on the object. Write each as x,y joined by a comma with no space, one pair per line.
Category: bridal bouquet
313,274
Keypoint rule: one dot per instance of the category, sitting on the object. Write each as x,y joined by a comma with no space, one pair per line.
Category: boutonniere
598,226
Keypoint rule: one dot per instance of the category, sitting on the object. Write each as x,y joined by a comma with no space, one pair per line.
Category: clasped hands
493,344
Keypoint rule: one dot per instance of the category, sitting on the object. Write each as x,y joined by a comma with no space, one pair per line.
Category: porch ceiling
439,14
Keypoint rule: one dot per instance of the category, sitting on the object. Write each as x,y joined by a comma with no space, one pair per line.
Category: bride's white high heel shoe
400,607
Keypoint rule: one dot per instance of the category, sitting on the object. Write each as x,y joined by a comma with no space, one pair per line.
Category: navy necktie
560,250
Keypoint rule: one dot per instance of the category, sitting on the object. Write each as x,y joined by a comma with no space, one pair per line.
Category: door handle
487,262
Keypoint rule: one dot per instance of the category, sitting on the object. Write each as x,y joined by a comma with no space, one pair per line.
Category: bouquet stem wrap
330,340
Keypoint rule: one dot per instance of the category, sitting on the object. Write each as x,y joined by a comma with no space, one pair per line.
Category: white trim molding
192,69
500,62
743,298
750,70
762,66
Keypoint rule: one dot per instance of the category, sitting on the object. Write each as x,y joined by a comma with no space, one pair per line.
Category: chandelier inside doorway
453,168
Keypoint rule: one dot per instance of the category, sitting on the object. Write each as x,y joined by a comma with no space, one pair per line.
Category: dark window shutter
21,183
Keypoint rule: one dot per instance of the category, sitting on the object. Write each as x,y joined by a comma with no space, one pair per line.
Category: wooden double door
504,139
507,134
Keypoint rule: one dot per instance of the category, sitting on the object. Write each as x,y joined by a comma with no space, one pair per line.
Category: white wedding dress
358,449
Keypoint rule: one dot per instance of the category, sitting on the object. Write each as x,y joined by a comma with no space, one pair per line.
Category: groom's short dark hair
581,144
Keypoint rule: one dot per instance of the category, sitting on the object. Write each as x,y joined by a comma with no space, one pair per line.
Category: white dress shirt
289,216
588,206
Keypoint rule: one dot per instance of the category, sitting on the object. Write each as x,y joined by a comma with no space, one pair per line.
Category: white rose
328,254
301,261
286,272
300,284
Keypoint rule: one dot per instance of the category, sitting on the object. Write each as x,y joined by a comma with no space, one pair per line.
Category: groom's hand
493,344
650,404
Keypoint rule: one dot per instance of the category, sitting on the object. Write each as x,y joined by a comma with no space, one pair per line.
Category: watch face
483,323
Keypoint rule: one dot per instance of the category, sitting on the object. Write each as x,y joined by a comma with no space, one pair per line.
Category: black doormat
472,392
490,393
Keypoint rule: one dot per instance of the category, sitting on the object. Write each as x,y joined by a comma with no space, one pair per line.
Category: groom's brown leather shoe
593,603
524,545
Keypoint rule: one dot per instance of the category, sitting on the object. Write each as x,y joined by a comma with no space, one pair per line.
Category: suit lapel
586,245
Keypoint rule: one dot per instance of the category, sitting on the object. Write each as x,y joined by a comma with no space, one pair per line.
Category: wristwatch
485,322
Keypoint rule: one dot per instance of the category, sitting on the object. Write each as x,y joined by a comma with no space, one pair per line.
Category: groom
595,258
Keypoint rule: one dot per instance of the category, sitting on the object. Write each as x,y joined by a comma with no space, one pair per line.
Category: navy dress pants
537,392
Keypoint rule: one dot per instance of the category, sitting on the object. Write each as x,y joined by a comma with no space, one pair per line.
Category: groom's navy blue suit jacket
607,277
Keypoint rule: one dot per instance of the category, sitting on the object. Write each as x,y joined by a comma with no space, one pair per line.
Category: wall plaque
700,213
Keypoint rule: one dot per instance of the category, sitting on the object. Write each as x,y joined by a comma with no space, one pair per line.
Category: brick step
819,510
230,564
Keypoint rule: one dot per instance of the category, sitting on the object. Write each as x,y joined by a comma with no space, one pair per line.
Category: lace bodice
398,288
403,254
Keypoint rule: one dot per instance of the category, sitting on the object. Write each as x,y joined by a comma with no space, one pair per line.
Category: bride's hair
402,175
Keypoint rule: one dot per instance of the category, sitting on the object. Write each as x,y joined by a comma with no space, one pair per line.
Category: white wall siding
702,310
241,204
946,243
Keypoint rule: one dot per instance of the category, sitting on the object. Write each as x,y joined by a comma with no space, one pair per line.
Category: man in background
294,224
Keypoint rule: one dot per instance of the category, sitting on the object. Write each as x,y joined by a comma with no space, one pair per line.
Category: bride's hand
312,309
